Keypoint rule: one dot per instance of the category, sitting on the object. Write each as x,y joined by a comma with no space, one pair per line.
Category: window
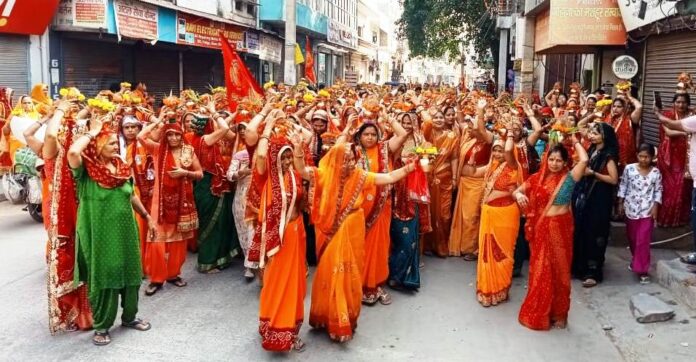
251,9
360,31
238,5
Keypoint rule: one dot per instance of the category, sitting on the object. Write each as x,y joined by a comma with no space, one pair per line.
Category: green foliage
436,28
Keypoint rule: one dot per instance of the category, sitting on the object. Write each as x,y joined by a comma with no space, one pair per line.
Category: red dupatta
176,202
98,170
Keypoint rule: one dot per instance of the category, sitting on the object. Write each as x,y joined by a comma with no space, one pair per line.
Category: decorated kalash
363,183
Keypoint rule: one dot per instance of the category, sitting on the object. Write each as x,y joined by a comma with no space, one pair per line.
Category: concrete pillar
289,74
503,58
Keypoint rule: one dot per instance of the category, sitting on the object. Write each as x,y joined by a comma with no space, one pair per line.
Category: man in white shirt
687,125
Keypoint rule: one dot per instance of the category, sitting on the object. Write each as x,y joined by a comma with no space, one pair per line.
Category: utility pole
290,76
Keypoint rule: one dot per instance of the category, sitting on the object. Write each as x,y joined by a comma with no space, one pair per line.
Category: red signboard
135,20
89,13
26,16
202,32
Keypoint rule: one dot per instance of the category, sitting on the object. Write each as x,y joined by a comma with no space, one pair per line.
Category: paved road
215,318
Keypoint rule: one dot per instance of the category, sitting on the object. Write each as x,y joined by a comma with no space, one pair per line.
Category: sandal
152,288
101,338
370,299
589,283
383,297
689,259
178,282
298,345
137,324
470,257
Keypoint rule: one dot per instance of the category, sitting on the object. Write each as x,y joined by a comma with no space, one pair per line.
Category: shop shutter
666,57
203,70
92,66
158,69
14,72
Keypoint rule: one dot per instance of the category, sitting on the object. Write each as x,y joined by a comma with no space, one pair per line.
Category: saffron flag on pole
309,63
239,81
299,59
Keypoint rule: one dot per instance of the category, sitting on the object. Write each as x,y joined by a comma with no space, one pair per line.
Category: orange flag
238,80
309,63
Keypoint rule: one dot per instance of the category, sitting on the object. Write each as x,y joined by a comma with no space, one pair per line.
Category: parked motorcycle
23,185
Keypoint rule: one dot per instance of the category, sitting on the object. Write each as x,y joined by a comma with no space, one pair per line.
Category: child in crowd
640,194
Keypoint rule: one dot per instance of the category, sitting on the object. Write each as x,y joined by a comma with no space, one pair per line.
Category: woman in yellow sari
500,221
442,183
474,152
337,192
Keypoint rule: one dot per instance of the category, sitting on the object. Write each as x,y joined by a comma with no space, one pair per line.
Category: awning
332,48
26,16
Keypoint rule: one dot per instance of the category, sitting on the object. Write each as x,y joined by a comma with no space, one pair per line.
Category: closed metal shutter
203,70
159,70
666,57
92,65
14,71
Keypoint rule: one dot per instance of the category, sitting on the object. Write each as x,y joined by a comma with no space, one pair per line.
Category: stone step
680,279
650,309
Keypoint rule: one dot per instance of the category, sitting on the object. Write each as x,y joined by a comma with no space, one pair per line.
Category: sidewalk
674,340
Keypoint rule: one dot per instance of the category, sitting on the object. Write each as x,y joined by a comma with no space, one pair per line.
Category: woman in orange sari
500,221
475,152
337,191
545,197
173,207
375,156
442,183
279,245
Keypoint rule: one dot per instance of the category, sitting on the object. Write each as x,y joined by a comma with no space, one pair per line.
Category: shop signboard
89,13
340,34
64,15
26,16
265,46
201,32
625,67
351,78
135,19
579,23
637,13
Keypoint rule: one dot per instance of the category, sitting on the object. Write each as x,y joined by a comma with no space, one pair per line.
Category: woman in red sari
672,163
545,198
279,244
68,306
443,179
625,123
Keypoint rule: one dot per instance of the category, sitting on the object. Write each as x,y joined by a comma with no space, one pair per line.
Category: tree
436,28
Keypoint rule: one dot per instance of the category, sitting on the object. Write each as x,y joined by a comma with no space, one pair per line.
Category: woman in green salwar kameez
107,242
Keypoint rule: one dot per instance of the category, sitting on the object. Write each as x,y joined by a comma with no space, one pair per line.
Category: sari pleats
499,227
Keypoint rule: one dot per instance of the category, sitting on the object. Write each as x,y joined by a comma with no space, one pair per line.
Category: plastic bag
417,186
13,189
34,190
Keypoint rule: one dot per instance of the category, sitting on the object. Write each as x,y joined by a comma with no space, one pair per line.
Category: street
214,318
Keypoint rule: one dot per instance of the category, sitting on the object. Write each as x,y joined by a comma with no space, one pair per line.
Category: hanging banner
26,16
270,49
135,20
89,13
638,13
201,32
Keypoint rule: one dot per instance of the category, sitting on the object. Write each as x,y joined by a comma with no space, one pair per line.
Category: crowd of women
359,181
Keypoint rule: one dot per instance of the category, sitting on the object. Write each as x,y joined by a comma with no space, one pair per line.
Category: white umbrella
19,124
